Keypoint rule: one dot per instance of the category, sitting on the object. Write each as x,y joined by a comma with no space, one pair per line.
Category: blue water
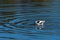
17,21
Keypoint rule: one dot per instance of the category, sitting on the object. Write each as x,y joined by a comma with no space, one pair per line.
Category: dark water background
17,21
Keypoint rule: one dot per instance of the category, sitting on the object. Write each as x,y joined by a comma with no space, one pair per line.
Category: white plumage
40,23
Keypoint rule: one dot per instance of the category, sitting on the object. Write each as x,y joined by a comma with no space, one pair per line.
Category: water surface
17,20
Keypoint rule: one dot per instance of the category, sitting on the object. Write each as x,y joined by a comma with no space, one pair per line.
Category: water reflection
9,38
24,1
39,0
9,1
7,6
20,22
8,13
38,5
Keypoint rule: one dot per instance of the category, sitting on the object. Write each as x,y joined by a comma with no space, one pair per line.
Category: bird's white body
40,23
